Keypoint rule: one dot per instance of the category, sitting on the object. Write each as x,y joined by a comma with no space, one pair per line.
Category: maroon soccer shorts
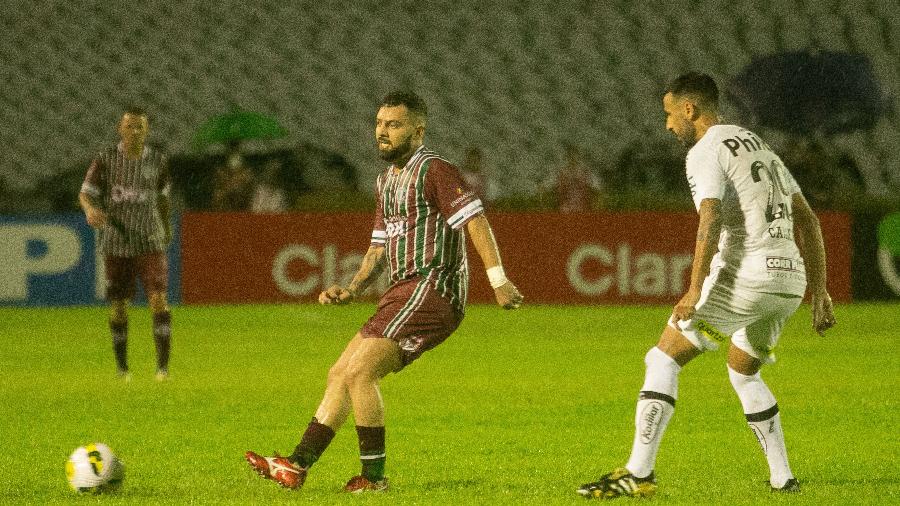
121,273
415,315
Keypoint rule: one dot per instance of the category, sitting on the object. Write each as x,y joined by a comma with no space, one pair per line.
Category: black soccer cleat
792,486
619,483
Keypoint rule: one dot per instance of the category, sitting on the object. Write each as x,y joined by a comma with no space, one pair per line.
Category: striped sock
371,452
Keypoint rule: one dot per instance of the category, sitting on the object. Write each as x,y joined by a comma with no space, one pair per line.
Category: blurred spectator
654,167
268,197
323,169
829,178
473,173
233,187
577,188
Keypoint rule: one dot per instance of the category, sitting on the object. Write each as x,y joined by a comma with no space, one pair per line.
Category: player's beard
396,153
688,135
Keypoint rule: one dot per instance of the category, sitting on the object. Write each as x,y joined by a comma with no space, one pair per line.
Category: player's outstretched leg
118,327
330,416
655,407
761,411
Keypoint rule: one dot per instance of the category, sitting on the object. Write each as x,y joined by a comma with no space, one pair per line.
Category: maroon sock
315,440
119,330
371,452
162,332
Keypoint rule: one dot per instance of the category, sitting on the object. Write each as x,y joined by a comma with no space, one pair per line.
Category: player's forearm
708,232
369,269
812,248
486,245
482,237
164,204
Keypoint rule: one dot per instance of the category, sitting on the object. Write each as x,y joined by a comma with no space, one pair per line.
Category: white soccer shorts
752,320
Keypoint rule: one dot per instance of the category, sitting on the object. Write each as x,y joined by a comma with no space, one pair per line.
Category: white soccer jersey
756,248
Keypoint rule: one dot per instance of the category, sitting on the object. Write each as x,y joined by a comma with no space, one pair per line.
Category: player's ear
691,111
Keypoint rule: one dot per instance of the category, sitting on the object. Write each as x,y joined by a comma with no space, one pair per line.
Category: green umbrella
238,125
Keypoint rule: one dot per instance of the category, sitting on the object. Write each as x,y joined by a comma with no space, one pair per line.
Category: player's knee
158,302
359,373
336,373
658,359
118,310
740,380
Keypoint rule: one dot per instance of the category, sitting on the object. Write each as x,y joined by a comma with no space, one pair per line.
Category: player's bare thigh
673,343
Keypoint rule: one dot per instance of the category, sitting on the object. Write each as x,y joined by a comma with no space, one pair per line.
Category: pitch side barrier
554,258
51,260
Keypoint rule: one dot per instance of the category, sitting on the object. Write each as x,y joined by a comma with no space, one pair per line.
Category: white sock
762,415
654,410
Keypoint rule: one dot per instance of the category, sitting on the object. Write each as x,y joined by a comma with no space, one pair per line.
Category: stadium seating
517,79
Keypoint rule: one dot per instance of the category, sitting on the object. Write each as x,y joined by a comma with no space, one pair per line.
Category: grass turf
516,407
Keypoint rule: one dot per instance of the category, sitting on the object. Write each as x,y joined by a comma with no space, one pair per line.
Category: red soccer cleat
359,484
278,469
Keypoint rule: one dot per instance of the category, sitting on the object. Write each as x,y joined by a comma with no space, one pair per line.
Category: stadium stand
516,78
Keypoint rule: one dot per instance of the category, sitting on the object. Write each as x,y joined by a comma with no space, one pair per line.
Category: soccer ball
94,468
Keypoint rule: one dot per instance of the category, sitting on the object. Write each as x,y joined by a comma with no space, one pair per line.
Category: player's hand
686,307
95,217
508,296
336,295
822,313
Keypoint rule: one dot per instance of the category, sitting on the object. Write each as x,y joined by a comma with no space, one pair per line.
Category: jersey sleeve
93,180
455,199
705,174
379,230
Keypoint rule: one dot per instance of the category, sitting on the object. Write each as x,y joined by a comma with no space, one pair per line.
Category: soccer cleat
162,375
790,487
278,469
359,484
123,375
619,483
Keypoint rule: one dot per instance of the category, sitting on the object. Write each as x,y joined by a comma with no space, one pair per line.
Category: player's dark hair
698,86
135,110
413,102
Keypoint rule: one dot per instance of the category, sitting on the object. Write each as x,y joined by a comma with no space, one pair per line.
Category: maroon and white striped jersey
128,191
421,209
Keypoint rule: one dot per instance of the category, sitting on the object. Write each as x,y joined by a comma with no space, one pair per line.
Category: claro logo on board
592,269
319,269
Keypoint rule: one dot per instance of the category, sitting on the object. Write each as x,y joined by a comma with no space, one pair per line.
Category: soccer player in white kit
758,247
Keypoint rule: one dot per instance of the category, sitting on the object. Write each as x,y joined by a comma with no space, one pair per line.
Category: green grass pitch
515,408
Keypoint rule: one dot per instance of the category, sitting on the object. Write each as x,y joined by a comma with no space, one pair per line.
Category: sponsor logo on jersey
121,194
395,226
462,197
782,264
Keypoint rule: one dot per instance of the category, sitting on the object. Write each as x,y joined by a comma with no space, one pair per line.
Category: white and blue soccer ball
94,468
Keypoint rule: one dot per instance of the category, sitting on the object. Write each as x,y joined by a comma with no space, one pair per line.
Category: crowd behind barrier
311,178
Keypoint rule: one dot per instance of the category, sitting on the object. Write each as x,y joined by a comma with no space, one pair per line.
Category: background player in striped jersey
125,195
748,277
423,207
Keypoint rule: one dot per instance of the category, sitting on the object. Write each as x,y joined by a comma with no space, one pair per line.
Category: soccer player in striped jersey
424,208
748,277
125,195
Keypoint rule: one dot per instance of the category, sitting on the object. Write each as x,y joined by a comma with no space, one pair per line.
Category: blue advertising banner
51,260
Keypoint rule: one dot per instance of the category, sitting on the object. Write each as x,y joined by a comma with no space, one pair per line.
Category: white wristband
496,276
